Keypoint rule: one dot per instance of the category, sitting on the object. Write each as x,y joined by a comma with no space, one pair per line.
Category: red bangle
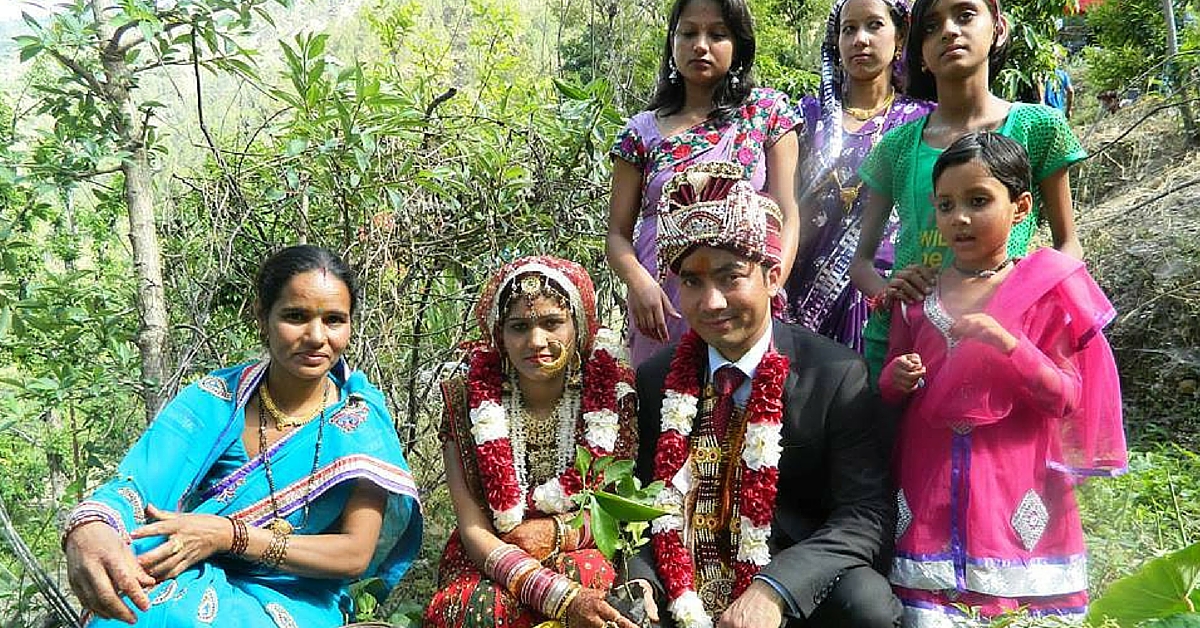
241,537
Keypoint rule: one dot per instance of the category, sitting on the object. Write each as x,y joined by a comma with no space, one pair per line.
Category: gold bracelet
561,611
560,533
276,551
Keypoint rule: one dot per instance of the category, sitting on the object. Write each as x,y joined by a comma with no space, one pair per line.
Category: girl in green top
961,45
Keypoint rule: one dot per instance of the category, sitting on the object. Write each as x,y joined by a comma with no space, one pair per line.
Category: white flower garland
490,421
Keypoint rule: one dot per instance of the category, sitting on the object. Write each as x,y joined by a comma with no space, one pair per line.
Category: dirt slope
1138,207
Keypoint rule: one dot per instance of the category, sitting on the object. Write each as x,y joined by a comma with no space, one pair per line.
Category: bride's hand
534,536
649,604
589,610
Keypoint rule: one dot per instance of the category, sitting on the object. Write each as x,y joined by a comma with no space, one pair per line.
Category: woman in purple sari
861,72
706,108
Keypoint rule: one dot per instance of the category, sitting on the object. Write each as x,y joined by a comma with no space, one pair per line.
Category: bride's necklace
986,272
561,417
865,114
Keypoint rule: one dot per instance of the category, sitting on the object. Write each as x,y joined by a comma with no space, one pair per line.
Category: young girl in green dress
960,45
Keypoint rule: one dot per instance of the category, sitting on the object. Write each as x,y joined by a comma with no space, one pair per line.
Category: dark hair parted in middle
921,83
669,96
1004,158
286,263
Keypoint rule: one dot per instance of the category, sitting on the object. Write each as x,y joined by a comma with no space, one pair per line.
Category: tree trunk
143,234
147,263
1177,82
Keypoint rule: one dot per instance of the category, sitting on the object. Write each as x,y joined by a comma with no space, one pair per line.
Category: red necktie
725,381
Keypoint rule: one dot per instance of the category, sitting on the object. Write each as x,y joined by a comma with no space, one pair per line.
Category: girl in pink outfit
1010,398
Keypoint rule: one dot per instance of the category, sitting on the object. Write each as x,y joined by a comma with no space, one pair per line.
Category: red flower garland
602,373
758,489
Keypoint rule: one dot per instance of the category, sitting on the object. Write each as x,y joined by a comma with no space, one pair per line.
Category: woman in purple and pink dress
861,74
706,108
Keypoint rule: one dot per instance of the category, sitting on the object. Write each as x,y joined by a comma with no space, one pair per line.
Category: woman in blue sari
261,491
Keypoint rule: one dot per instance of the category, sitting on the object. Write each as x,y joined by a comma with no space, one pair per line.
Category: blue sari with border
191,459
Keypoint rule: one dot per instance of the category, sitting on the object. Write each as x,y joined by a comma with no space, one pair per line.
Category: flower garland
605,382
759,462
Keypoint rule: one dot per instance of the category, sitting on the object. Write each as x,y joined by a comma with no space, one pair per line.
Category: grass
1148,512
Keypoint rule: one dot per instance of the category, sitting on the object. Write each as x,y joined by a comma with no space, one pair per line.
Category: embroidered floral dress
742,136
988,451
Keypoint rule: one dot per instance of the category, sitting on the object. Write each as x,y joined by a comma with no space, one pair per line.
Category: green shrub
1129,40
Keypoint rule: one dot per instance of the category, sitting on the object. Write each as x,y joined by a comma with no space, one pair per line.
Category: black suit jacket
833,511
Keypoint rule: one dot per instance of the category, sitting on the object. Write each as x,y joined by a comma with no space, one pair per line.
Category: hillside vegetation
428,141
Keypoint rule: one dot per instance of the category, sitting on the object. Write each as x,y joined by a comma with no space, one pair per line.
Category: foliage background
428,141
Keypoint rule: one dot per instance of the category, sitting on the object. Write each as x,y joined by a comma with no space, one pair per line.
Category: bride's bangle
560,537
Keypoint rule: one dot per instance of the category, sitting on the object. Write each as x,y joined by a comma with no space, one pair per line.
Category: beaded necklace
278,523
984,273
563,419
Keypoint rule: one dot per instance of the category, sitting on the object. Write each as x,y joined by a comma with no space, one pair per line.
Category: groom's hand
759,607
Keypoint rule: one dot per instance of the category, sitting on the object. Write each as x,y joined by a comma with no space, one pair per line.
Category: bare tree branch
1163,194
97,172
139,40
94,84
180,62
1139,122
212,145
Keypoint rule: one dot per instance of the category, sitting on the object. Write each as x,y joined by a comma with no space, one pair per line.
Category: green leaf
30,51
652,490
44,384
625,509
583,460
629,486
1162,588
604,530
616,472
574,92
407,614
1183,620
295,146
601,463
317,47
32,22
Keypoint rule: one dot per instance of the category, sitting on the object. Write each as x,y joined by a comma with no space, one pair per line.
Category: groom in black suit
833,517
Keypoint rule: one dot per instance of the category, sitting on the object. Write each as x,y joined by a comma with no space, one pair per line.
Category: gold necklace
278,524
282,419
863,115
849,193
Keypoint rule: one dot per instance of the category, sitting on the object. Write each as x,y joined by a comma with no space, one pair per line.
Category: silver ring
920,382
